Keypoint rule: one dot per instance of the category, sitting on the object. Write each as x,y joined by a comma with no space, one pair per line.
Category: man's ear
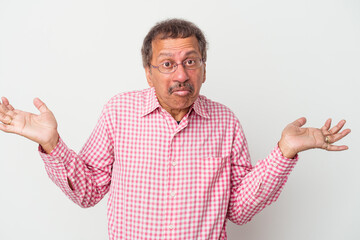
148,76
204,78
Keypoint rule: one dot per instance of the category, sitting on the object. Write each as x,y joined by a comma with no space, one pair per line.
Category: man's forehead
165,53
170,46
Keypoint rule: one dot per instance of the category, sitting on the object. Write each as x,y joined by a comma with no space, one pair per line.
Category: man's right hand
40,128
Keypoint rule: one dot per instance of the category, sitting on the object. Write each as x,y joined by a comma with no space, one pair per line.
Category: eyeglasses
170,67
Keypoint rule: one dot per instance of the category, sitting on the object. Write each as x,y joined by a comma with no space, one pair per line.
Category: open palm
295,139
41,128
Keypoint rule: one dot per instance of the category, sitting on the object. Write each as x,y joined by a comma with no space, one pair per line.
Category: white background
269,61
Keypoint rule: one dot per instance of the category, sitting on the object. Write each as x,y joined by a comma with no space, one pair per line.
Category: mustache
181,87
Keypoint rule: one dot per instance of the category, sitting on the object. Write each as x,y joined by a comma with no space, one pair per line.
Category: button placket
168,224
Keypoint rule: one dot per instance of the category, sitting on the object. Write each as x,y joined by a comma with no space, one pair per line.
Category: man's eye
167,65
190,62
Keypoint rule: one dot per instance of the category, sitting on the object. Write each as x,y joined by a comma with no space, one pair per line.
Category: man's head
174,54
172,28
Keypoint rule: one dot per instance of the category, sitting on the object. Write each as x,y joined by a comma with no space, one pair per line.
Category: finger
338,127
299,122
7,128
5,118
6,111
336,148
40,105
5,101
326,126
338,136
10,107
3,109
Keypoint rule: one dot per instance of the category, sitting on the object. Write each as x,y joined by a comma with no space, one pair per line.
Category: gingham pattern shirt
168,180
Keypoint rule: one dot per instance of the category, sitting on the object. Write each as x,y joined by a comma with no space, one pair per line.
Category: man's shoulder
216,109
130,98
218,113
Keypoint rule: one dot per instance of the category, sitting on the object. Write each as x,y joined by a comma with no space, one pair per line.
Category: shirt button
62,155
172,194
171,226
174,163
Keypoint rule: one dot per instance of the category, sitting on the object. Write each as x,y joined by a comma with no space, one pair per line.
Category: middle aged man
176,164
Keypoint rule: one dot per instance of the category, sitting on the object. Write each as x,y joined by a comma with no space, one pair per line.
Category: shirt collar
200,108
150,103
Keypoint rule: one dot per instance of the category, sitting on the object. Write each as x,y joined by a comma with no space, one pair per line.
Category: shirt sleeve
89,172
253,188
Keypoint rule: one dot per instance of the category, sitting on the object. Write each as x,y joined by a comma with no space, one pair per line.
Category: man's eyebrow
167,54
191,52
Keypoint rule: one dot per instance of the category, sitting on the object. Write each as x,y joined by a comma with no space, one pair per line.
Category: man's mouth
181,89
181,92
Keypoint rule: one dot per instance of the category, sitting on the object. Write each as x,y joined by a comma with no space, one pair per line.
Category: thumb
300,122
40,105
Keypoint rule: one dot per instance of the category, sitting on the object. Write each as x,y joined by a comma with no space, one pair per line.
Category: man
175,164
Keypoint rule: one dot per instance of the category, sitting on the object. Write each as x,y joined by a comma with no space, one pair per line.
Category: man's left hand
295,139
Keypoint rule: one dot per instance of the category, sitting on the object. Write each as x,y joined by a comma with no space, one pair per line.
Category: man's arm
85,177
253,188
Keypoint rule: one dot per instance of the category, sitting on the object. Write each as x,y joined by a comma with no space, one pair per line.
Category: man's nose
180,74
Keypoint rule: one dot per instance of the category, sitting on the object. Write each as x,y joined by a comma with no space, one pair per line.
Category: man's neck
178,114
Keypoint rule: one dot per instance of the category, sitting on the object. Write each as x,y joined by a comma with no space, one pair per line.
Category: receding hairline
194,49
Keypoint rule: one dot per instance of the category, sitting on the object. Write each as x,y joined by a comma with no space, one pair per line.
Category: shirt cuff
278,165
57,156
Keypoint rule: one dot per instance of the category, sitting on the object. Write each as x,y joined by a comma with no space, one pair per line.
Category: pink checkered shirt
168,180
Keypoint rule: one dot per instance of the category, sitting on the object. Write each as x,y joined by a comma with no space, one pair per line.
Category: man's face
178,90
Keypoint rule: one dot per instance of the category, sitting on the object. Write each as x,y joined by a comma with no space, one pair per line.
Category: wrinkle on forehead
175,46
169,54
